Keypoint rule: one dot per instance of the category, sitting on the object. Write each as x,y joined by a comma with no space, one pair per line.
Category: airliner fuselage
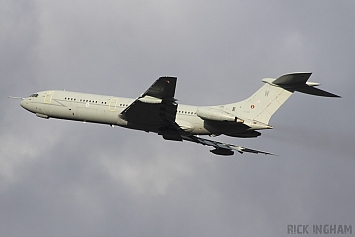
156,111
102,109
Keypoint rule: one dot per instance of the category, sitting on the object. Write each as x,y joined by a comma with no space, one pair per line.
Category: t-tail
259,107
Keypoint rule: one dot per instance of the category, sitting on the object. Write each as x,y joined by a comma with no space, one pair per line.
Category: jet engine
217,115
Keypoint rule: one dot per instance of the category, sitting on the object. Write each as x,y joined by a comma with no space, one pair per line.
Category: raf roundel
87,104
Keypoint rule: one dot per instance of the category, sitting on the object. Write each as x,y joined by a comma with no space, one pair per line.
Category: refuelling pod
222,152
246,134
217,115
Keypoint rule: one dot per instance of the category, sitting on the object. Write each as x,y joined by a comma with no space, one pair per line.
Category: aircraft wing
156,109
222,148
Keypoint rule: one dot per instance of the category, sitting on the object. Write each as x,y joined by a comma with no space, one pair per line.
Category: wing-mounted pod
244,134
213,114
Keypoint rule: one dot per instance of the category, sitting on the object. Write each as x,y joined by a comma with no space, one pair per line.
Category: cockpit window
34,95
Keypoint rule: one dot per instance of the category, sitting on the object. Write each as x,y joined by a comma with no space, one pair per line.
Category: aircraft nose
23,104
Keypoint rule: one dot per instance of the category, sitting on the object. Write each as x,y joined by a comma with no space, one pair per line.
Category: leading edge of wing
221,148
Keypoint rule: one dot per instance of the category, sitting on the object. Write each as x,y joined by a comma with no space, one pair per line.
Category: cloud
60,178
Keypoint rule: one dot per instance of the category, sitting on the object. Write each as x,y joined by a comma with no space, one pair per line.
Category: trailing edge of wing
222,148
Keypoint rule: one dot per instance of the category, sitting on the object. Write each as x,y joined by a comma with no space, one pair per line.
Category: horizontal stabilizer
315,91
292,78
298,82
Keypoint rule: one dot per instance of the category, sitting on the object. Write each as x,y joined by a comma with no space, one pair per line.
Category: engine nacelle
216,115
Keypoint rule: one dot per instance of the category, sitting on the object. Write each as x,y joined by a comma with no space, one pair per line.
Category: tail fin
269,98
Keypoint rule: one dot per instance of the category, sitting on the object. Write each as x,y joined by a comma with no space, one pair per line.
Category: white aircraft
156,111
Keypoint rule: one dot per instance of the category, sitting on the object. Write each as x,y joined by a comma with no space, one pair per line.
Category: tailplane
269,98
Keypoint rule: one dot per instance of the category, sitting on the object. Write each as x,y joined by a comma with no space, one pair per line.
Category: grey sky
61,178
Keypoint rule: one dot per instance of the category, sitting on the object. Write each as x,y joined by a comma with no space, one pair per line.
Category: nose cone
24,104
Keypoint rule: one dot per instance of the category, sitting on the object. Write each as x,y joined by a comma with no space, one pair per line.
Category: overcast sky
63,178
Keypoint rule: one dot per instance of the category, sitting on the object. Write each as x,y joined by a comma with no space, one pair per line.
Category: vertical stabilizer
262,104
269,98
